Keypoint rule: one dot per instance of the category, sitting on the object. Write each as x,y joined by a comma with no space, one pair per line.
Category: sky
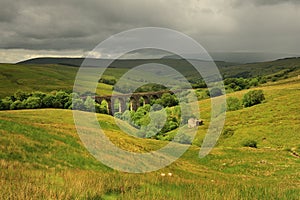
72,28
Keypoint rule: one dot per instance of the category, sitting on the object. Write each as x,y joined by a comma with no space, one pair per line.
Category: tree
20,95
77,104
214,92
89,104
5,103
167,100
233,103
33,102
17,105
253,97
61,98
48,101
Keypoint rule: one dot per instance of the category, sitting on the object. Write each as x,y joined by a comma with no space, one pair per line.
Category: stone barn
192,123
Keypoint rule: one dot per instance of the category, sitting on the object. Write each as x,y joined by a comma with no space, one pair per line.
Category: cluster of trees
232,84
280,75
163,121
55,99
237,84
108,80
154,124
251,98
153,121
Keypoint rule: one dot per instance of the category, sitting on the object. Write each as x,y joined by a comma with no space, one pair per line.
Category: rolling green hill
42,157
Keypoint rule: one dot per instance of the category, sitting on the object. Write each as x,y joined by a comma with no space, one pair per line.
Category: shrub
233,103
253,97
227,132
126,116
118,115
250,143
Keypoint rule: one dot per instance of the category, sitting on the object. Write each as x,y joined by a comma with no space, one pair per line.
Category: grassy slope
42,156
45,78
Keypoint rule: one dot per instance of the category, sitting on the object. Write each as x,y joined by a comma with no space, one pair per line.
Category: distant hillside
48,76
227,69
261,68
120,63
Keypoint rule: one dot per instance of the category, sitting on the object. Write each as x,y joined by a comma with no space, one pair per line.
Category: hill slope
42,157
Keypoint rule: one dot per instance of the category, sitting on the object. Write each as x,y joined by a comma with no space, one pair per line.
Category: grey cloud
218,25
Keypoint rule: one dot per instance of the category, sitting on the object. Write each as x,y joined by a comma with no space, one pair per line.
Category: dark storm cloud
233,25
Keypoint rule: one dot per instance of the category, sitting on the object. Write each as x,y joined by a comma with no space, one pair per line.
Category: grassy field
42,157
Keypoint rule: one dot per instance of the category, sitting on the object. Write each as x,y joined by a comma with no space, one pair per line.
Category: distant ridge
120,63
227,69
52,60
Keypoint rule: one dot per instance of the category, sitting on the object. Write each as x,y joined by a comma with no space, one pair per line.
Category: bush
227,132
253,97
233,104
250,143
118,115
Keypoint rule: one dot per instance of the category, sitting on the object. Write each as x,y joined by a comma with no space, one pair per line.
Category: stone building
192,122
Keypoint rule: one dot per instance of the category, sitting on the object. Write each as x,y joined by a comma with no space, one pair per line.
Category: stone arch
134,103
146,99
119,104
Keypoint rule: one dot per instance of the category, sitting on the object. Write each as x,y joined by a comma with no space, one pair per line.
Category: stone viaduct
133,100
